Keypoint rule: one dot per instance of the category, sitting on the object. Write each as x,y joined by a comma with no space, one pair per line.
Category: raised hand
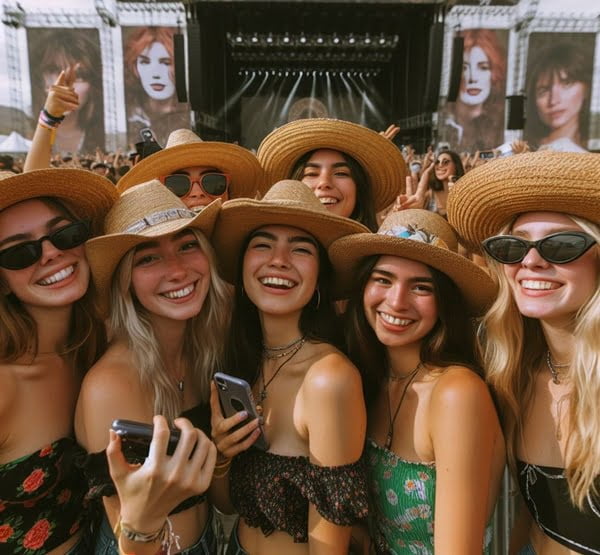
62,97
390,132
415,192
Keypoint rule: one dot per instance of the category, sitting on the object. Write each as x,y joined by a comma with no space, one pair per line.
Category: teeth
58,276
393,320
277,281
179,293
531,284
328,200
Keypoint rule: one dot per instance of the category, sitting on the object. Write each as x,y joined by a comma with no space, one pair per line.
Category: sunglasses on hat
213,184
558,248
23,255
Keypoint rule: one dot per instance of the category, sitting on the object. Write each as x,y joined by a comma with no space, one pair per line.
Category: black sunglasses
558,248
27,253
213,184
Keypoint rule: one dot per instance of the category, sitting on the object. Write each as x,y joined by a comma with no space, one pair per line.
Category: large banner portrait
149,68
476,120
559,81
50,51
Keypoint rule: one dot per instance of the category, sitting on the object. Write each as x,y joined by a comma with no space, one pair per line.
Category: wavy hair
203,341
514,347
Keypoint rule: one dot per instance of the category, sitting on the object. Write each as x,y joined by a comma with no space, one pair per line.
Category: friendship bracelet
133,535
48,115
222,470
224,464
50,122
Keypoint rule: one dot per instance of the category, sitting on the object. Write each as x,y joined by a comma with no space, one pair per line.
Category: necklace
411,377
552,366
273,353
297,345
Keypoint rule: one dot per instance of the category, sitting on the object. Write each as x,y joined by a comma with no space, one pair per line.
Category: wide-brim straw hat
87,194
488,197
288,203
148,210
380,159
185,149
418,235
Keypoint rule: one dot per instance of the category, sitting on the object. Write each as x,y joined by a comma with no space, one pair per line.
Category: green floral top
403,498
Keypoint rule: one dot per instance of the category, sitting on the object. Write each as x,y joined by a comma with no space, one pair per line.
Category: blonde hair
203,341
514,347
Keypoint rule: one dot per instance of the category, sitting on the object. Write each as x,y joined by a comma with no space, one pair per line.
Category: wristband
48,115
121,529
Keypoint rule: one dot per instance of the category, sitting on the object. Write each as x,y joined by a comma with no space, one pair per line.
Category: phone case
136,438
235,395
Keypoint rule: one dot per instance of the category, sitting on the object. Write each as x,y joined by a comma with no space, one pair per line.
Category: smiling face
197,198
171,276
559,99
444,167
154,69
327,173
281,269
476,83
546,291
58,278
399,301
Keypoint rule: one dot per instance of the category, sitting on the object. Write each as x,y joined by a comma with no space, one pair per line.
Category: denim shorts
234,547
106,543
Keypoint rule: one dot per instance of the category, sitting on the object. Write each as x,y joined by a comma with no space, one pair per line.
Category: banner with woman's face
149,77
475,121
52,50
559,79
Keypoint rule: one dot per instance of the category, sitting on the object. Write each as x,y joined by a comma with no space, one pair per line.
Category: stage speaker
456,68
195,67
516,112
434,66
179,55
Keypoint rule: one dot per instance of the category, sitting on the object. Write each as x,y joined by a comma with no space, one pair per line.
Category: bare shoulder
459,385
332,374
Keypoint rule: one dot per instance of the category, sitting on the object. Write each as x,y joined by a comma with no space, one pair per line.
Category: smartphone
486,154
136,438
235,395
148,144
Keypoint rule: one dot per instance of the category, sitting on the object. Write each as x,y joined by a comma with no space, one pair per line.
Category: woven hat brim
239,218
104,253
476,285
379,157
488,197
247,176
90,195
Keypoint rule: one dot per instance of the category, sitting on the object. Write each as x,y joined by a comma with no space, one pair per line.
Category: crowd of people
404,328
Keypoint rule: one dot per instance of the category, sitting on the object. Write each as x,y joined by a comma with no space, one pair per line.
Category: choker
552,366
284,350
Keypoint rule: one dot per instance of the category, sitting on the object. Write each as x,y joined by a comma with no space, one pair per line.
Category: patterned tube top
403,504
42,499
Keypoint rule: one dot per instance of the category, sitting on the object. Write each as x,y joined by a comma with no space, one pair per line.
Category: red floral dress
41,499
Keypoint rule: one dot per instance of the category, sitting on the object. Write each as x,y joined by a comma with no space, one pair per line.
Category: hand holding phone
136,438
486,154
148,144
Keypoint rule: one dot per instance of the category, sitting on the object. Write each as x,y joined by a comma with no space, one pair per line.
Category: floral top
403,497
273,491
41,499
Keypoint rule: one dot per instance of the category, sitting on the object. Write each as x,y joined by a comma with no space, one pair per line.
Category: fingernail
243,414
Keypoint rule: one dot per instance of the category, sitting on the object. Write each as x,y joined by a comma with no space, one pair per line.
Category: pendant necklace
552,366
273,353
409,377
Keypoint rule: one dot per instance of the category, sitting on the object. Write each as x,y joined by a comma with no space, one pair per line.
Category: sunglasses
25,254
558,248
213,184
443,162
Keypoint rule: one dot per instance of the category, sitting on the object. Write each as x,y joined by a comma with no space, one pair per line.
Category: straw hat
146,210
89,195
289,203
418,235
488,197
379,157
185,149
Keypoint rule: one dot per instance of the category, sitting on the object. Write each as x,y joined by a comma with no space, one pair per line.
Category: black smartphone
235,395
148,145
486,154
136,438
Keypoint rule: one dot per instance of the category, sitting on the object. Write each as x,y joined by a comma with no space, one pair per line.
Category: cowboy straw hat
488,197
288,203
145,211
185,149
418,235
379,157
89,195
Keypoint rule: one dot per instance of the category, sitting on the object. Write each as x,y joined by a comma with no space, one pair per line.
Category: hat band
414,233
159,218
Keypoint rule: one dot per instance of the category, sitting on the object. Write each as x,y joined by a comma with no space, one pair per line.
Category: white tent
15,143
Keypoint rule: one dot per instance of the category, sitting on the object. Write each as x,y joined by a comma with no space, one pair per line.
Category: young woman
199,171
155,269
354,171
49,336
541,334
435,450
303,494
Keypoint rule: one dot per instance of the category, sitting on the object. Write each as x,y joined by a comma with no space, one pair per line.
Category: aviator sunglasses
25,254
213,184
558,248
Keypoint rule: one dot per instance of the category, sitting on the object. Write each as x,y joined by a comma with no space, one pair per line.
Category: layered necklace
273,353
395,378
553,367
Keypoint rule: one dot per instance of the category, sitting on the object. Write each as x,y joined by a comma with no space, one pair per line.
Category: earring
318,302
